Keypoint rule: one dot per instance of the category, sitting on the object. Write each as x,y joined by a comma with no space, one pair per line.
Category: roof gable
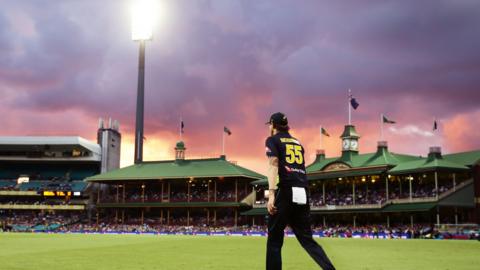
426,164
180,169
465,158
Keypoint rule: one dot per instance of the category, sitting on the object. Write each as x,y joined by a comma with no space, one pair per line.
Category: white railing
344,207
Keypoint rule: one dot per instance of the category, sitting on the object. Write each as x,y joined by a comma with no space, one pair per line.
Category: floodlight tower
142,30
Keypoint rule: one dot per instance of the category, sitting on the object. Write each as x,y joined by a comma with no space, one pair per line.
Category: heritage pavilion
388,188
207,192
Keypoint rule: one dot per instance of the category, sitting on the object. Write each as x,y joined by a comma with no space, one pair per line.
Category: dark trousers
298,218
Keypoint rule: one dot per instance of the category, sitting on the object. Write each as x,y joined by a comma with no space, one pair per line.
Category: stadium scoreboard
48,193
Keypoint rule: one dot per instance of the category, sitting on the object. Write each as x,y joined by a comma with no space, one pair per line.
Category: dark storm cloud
232,63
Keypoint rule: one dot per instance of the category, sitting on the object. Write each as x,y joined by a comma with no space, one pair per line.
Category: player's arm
272,175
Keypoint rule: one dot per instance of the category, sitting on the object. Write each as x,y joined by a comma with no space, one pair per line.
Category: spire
180,151
349,142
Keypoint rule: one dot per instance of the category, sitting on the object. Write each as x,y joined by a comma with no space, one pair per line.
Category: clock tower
349,142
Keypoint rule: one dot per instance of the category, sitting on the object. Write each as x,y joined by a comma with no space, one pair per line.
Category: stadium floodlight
143,17
23,179
142,30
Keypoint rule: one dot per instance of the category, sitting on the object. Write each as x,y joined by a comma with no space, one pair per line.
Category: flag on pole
387,121
182,125
227,130
324,132
435,125
354,102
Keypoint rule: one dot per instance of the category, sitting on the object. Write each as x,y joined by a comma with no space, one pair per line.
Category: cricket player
288,201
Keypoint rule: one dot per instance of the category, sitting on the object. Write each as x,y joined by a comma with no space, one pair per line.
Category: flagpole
181,135
381,127
349,107
223,143
321,138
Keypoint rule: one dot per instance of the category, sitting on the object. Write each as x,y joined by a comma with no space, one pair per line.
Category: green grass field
51,251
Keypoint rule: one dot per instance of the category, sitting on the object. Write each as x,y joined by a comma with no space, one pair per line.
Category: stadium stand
45,174
380,194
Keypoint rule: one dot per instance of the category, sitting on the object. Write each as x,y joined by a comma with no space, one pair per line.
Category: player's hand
272,210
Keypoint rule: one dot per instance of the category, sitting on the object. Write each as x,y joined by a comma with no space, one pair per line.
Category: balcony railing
384,203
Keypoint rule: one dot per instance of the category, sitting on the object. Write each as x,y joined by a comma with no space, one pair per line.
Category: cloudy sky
64,64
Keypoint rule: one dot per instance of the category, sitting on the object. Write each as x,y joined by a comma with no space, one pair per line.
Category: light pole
142,23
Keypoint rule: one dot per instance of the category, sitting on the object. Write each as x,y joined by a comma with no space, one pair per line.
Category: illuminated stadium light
143,18
23,179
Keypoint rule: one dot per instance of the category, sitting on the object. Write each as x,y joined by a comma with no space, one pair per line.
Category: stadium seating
33,185
7,184
78,185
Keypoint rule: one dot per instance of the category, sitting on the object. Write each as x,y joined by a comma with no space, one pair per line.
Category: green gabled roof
384,157
319,163
427,164
359,160
356,161
350,131
179,169
366,160
465,158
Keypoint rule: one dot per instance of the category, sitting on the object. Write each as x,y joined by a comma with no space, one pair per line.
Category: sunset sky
64,64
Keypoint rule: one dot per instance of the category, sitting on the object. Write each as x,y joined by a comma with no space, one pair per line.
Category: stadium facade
43,175
183,192
389,188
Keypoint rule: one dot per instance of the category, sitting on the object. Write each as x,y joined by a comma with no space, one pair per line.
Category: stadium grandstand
42,182
182,192
380,194
388,189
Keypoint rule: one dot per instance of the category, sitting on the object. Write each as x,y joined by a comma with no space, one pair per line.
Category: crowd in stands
28,221
72,225
7,184
77,223
418,192
38,201
38,185
363,197
195,196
